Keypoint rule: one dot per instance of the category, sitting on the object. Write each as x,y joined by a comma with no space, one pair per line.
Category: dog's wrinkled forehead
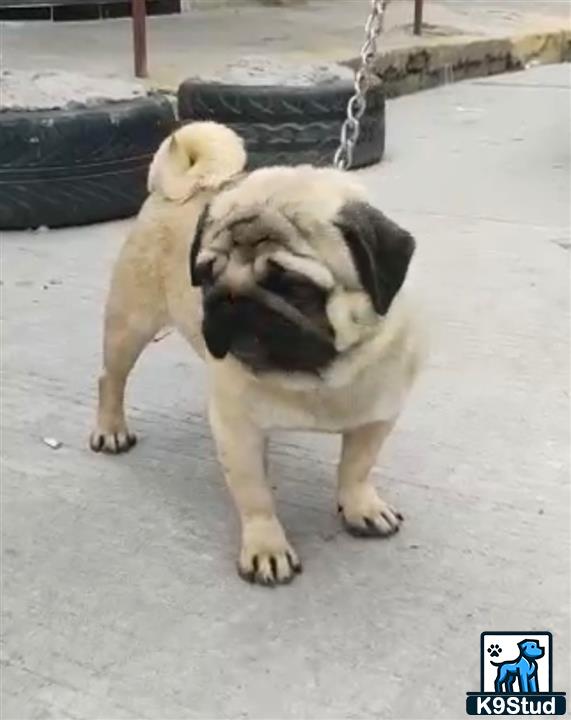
239,249
244,228
318,192
283,215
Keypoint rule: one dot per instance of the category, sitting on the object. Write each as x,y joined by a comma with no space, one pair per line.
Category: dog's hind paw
112,443
364,514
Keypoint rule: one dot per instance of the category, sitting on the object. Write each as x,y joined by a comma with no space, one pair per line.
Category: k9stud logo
515,676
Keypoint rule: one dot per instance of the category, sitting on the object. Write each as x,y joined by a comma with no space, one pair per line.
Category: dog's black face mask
281,324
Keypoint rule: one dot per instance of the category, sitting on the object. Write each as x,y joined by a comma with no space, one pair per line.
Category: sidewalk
210,37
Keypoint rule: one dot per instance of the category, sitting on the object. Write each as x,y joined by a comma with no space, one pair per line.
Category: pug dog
289,284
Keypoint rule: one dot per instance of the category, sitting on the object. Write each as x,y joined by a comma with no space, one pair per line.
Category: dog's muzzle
264,332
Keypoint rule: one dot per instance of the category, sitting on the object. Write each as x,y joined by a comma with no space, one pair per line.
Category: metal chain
358,103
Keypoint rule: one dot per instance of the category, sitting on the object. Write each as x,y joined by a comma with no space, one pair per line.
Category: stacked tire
78,165
89,164
288,125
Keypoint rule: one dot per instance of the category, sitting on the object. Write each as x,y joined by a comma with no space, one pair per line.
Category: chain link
358,103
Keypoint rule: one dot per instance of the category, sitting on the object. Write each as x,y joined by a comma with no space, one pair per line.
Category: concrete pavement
478,38
120,595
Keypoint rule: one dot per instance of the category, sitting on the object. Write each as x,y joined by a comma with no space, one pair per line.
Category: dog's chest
329,409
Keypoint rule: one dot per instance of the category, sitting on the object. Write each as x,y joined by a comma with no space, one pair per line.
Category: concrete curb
407,70
437,61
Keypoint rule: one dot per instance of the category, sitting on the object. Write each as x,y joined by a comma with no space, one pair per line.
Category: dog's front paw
366,515
114,442
266,556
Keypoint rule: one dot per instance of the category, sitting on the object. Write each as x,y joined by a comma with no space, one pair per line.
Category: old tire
287,125
81,165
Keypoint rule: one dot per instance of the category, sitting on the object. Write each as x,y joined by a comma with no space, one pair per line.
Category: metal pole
139,22
418,16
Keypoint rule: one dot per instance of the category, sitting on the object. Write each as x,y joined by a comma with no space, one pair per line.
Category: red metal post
139,21
418,16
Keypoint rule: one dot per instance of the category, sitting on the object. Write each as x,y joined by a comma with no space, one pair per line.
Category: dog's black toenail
372,529
246,575
255,564
266,581
355,530
399,517
96,443
274,567
393,528
295,566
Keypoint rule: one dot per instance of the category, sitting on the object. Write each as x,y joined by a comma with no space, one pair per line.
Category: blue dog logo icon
523,669
516,670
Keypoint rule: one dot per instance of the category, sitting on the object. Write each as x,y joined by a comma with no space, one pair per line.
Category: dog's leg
364,513
504,680
266,557
522,678
126,334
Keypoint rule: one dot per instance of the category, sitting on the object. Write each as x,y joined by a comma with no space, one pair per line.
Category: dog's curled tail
198,156
497,664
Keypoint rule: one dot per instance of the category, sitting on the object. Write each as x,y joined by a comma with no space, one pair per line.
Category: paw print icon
494,650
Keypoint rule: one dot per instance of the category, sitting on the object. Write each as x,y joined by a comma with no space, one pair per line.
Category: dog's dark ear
381,251
195,274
